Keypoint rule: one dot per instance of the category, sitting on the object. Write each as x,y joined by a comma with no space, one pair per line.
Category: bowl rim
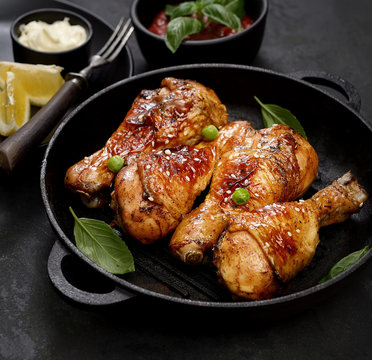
138,25
18,20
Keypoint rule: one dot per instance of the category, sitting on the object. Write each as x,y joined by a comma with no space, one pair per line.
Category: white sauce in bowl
59,36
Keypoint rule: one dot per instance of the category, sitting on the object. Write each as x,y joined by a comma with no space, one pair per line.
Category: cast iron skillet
335,128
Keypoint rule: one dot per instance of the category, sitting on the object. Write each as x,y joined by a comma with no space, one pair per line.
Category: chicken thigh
265,247
172,115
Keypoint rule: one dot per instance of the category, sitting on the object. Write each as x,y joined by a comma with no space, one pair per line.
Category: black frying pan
335,128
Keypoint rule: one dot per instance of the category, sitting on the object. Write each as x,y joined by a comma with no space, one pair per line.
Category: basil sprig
344,263
181,25
99,242
275,114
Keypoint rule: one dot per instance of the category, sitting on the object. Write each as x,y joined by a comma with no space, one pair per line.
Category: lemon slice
14,104
40,82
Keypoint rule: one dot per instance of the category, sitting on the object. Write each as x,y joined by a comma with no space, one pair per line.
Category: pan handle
55,270
334,82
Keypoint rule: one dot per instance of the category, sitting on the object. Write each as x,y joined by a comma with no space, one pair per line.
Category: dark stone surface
38,323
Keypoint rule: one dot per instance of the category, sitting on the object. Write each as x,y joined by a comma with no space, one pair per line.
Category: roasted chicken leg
268,246
276,164
153,193
170,116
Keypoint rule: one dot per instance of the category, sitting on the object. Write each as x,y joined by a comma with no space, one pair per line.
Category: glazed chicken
265,247
153,193
172,115
275,164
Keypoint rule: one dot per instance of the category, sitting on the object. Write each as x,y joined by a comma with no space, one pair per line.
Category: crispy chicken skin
153,193
274,164
268,246
172,115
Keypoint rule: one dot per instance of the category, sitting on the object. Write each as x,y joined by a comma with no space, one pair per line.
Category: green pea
210,132
240,196
116,163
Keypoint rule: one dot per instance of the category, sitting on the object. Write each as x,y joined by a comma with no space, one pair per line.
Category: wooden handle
15,147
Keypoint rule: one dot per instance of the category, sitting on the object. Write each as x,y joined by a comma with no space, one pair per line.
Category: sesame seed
167,151
167,157
225,199
197,159
228,192
153,143
289,233
298,230
297,209
148,167
233,176
167,173
170,135
212,217
150,198
187,178
166,141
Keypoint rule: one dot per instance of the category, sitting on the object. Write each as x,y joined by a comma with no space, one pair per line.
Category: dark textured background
37,323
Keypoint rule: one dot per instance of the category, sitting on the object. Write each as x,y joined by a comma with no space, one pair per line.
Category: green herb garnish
181,25
274,114
345,263
99,242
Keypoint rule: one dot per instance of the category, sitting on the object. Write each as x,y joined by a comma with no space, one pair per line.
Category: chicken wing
172,115
277,164
153,193
265,247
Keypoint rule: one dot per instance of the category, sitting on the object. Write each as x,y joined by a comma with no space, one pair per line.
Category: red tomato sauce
211,29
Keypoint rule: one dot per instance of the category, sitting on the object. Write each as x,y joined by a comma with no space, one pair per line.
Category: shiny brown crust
166,117
281,238
153,193
274,164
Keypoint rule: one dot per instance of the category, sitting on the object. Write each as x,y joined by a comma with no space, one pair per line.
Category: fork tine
115,42
121,45
112,37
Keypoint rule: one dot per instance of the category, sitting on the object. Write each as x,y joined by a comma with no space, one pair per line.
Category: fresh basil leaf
274,114
178,29
99,242
235,6
345,263
183,9
203,3
169,9
221,15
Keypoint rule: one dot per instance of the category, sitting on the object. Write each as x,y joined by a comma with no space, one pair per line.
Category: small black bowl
240,48
71,60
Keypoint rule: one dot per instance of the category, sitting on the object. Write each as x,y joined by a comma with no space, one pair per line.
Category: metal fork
15,147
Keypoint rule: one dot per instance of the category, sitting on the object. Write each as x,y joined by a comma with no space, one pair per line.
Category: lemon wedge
15,106
24,85
40,82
